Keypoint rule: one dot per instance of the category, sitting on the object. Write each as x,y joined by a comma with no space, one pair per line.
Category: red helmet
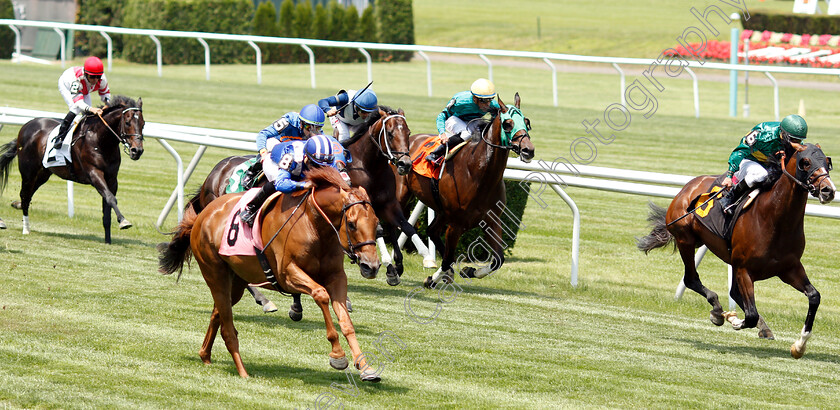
93,66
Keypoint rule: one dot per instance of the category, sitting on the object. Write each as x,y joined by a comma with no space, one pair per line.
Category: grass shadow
99,238
760,352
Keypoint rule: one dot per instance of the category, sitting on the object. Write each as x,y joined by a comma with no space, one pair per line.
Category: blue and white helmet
319,150
366,101
312,114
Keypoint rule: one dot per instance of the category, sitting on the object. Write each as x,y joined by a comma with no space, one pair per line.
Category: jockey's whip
716,194
358,93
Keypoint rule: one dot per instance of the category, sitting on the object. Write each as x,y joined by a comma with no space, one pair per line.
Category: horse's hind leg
31,181
267,305
764,331
296,310
691,279
799,280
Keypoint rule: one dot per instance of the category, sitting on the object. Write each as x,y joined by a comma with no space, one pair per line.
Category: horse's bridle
510,146
123,137
387,151
350,251
812,182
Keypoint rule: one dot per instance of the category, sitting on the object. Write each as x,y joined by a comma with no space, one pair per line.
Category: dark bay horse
377,145
95,155
768,238
311,232
472,188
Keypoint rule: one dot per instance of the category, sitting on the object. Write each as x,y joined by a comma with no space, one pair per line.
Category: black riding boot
733,196
251,174
440,151
65,126
251,209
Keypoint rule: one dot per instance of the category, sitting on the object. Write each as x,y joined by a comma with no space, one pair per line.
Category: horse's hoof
370,377
296,316
17,205
25,231
468,272
429,264
339,364
392,277
2,224
125,224
766,334
717,318
429,283
349,306
797,354
269,307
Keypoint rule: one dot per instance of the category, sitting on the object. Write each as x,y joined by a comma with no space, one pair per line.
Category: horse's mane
326,176
372,119
120,102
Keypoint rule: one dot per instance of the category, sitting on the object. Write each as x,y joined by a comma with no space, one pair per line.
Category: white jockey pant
270,168
751,171
342,128
455,125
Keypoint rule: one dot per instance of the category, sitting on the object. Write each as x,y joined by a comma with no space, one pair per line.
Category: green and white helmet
795,126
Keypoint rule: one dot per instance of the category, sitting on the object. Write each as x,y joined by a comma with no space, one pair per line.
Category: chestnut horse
768,238
307,236
95,155
471,188
379,143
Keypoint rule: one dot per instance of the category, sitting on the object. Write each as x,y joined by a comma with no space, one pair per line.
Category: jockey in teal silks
748,162
455,120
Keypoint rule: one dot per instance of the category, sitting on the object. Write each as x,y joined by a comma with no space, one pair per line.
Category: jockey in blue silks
291,126
348,109
287,165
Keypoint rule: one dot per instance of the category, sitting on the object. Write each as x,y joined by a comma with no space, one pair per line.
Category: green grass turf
83,324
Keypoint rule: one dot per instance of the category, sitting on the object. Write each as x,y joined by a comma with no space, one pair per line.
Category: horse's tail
177,251
9,152
659,235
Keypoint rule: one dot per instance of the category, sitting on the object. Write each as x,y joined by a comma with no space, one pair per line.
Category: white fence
421,50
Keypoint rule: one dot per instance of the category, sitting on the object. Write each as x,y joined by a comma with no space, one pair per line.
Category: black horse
94,155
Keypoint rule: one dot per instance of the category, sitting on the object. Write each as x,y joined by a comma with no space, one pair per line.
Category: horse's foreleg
799,280
298,281
267,305
296,310
395,269
337,290
492,228
744,284
108,192
453,233
434,231
691,279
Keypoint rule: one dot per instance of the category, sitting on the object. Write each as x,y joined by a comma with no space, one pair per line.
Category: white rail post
553,80
110,48
696,92
180,188
429,260
621,72
70,208
575,232
369,65
17,42
63,38
489,67
259,60
206,58
311,63
775,93
428,71
187,174
159,55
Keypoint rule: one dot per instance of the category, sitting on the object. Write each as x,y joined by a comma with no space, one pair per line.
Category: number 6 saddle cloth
239,239
710,213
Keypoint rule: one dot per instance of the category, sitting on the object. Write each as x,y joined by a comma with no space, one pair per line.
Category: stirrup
247,216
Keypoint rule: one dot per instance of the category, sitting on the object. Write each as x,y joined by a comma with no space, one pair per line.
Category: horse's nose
135,153
368,270
526,154
403,166
826,194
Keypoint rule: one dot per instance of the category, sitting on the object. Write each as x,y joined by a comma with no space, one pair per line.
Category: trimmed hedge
7,36
265,24
99,13
761,20
517,199
396,26
213,16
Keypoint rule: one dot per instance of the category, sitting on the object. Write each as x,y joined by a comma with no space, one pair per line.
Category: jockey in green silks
748,162
455,120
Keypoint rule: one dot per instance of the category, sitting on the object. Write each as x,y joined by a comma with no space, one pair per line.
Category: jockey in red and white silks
76,84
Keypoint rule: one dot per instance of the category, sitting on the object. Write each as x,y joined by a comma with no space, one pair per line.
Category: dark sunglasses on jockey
484,100
787,137
314,129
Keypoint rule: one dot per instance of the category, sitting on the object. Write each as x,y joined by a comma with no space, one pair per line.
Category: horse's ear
798,147
382,113
501,104
400,111
140,102
516,100
818,146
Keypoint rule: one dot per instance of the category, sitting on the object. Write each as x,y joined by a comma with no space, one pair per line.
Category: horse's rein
288,219
387,152
350,246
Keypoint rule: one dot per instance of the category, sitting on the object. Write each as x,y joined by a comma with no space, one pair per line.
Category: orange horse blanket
423,167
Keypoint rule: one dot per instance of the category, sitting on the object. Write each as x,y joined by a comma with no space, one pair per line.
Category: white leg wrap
26,225
482,272
383,251
803,338
437,275
421,247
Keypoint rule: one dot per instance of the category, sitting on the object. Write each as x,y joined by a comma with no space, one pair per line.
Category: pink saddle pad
239,238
